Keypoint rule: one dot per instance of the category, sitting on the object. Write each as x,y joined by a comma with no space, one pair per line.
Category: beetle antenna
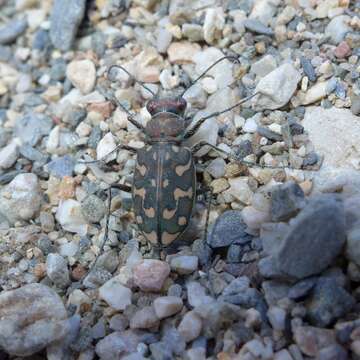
141,83
111,97
236,59
190,132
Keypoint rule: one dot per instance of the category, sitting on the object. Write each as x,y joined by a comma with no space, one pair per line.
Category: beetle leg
120,146
108,95
199,145
106,235
209,194
122,187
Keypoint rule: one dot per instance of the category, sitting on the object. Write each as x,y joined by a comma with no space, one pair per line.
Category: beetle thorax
164,125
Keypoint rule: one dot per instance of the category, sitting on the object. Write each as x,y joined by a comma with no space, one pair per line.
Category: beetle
164,184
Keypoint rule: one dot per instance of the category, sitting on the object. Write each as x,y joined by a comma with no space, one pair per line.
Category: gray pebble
98,43
75,116
202,251
66,17
97,277
302,288
311,159
234,253
108,261
119,322
93,209
257,27
318,229
62,166
228,229
286,200
333,352
83,340
328,303
340,90
94,137
47,221
161,351
174,341
58,70
244,149
98,331
32,127
175,290
57,270
271,135
12,30
41,40
308,68
33,154
5,136
45,245
355,105
216,168
5,53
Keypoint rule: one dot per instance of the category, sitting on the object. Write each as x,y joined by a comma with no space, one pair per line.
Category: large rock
277,88
66,17
337,28
318,229
31,318
335,134
21,199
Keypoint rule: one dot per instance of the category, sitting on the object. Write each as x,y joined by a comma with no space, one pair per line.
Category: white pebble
115,294
70,217
184,264
105,146
82,74
190,326
9,154
166,306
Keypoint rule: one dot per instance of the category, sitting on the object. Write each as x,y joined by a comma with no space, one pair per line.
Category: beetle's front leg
199,145
118,147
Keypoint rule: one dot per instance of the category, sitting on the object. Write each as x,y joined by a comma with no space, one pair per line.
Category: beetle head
167,117
168,105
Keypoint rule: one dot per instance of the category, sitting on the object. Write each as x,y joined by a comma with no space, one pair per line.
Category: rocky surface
278,276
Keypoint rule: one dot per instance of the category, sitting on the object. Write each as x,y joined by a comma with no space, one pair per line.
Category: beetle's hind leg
209,263
106,235
122,187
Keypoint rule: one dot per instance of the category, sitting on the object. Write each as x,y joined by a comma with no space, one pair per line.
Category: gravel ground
279,274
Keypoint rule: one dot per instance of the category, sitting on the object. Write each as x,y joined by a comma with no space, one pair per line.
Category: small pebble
167,306
184,264
150,275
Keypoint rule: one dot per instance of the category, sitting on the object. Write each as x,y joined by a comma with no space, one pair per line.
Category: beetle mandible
164,183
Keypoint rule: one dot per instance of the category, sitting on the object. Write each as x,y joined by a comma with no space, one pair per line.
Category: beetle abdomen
163,191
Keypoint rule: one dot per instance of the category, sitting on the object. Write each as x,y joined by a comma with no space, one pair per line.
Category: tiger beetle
164,185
